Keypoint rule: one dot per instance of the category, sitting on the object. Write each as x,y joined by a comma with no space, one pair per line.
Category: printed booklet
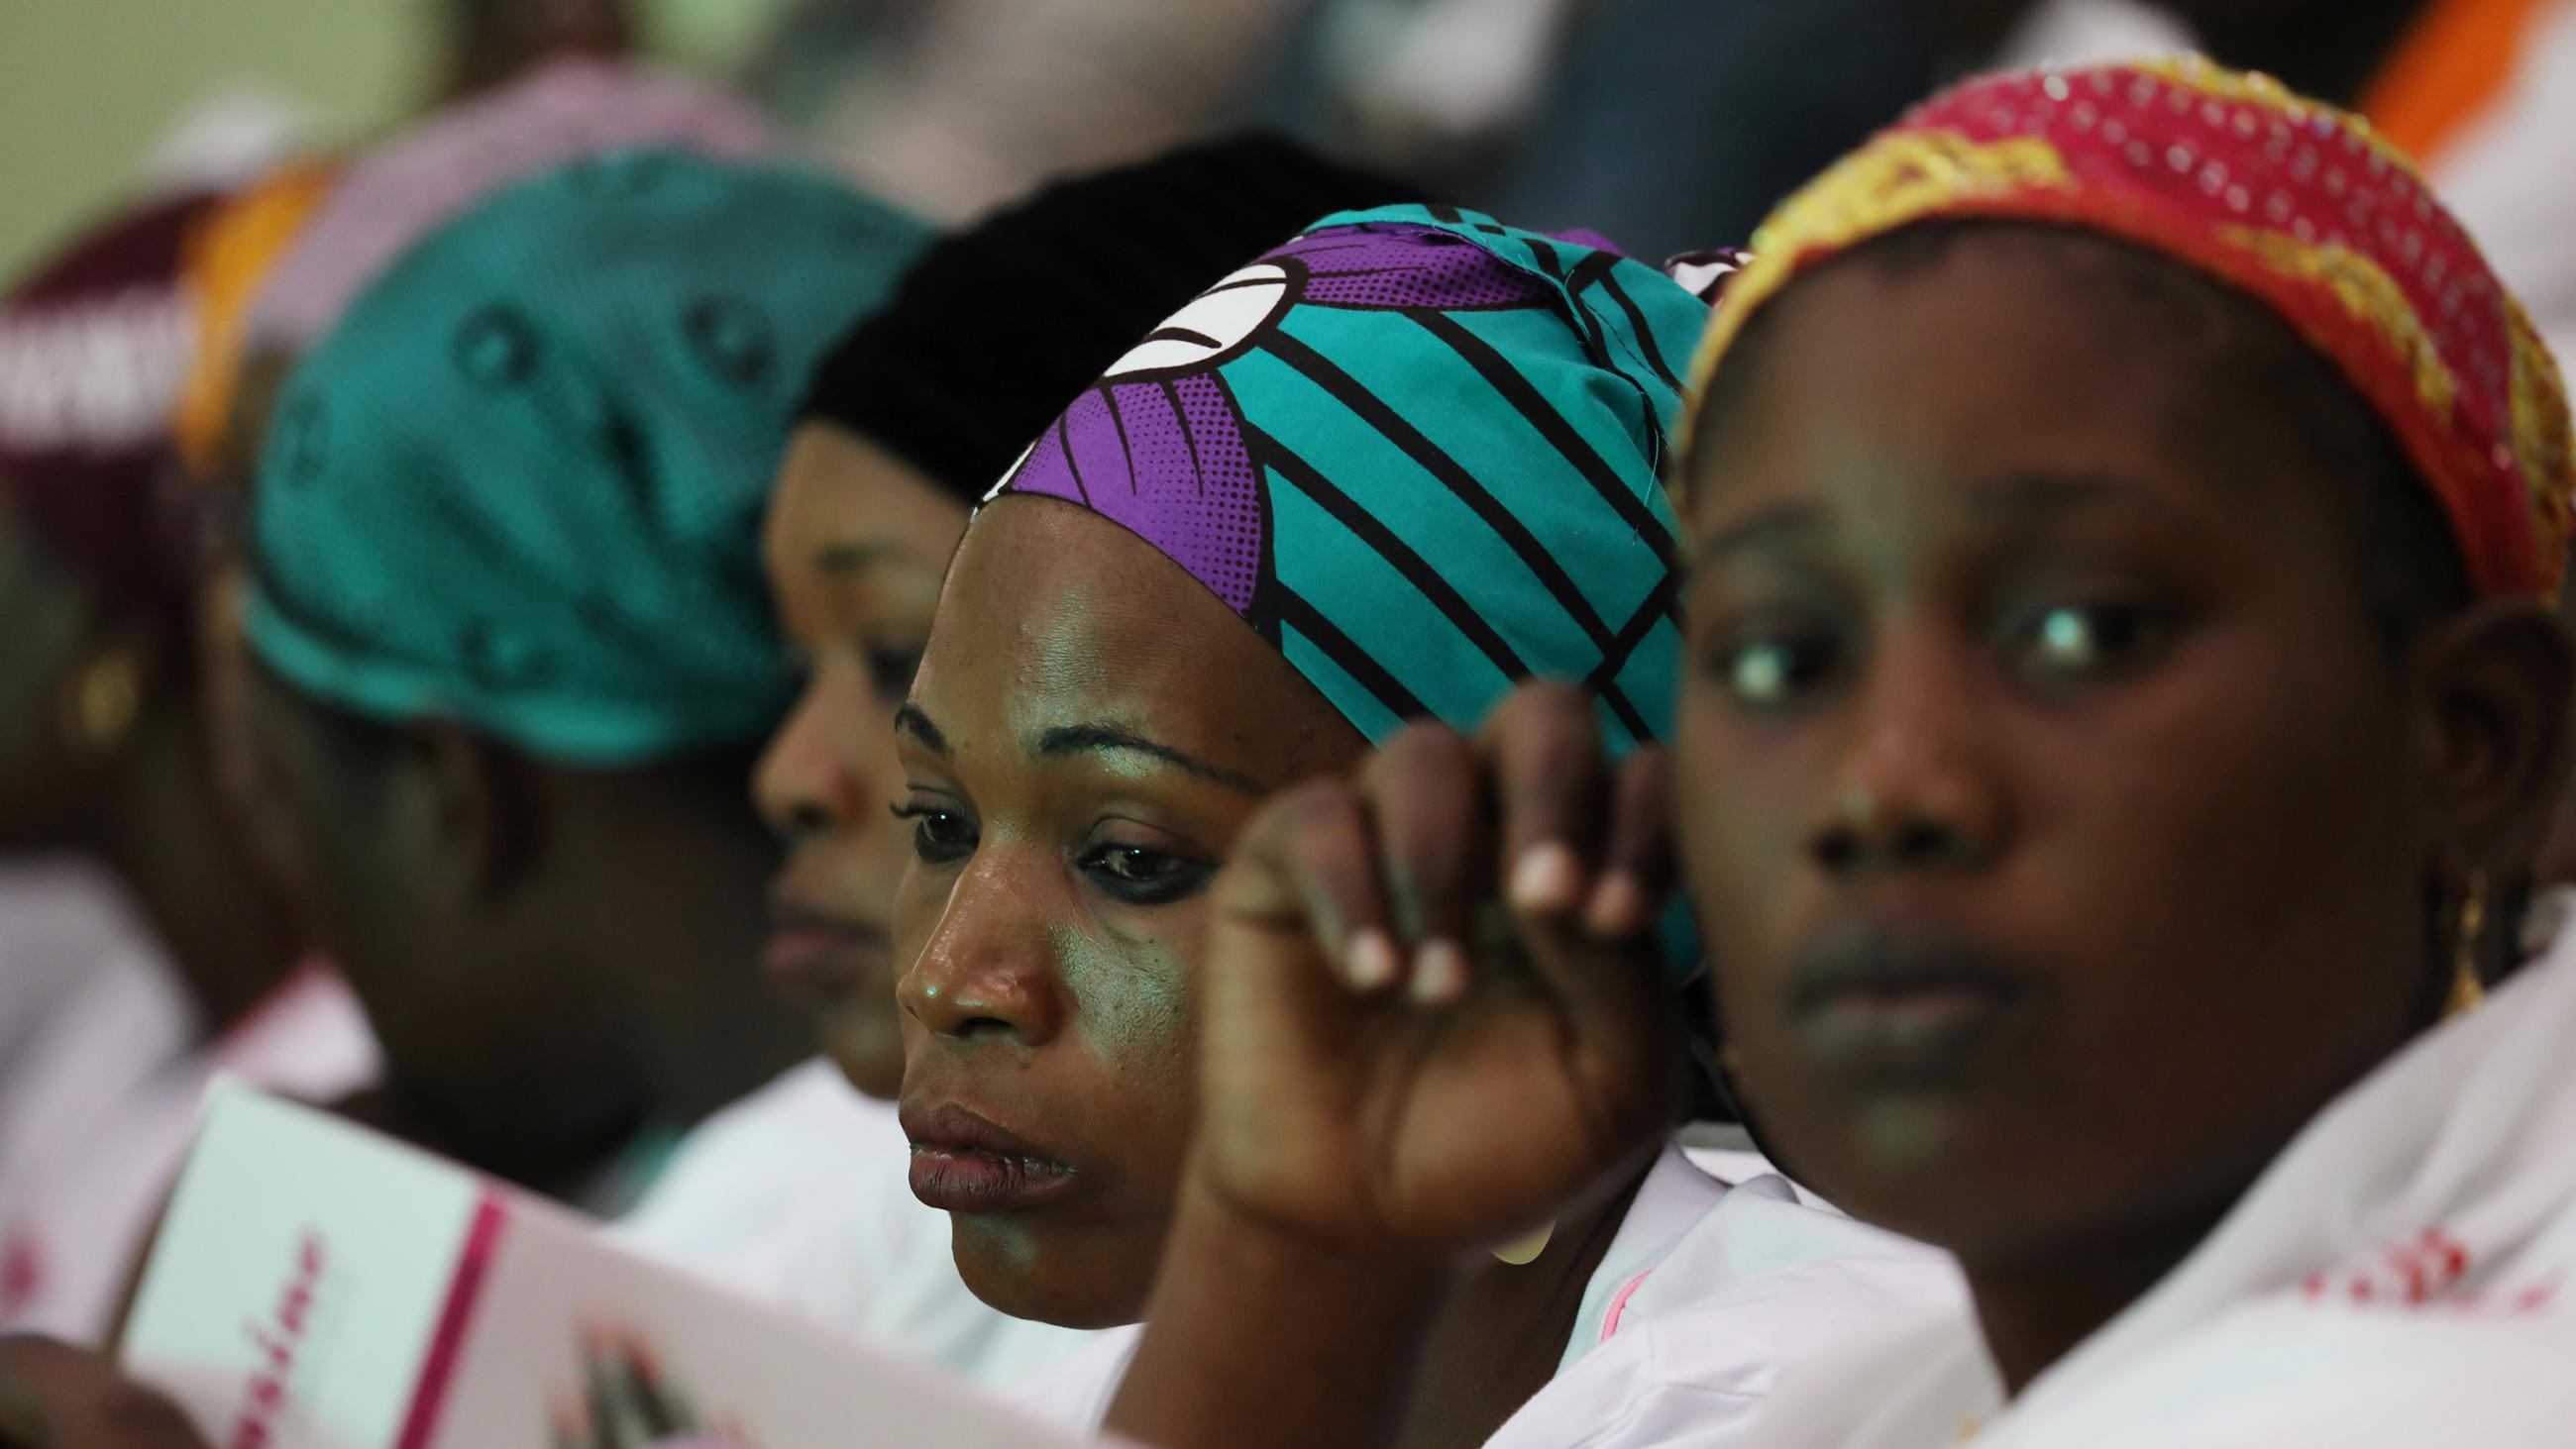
316,1286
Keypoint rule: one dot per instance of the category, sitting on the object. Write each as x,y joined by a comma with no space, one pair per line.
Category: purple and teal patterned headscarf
1418,452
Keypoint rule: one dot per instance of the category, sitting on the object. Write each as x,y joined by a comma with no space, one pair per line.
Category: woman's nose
809,779
1918,787
988,968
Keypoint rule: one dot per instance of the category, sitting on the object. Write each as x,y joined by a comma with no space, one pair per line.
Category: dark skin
53,1396
479,899
855,546
2024,654
2022,659
1057,902
1090,731
144,802
2330,49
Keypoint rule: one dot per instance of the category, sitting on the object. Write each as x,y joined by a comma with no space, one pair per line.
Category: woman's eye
1143,875
2077,641
939,837
1772,671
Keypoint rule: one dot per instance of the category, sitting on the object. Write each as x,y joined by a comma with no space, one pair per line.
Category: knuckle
1552,725
1417,752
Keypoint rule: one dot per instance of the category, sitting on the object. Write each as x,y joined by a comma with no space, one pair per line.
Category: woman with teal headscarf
514,656
1383,474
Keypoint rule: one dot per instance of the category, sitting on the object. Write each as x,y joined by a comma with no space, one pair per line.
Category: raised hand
1432,1018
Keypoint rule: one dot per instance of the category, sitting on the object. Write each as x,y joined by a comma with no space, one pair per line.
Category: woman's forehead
1056,618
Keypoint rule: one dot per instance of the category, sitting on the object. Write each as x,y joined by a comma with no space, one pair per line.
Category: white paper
316,1286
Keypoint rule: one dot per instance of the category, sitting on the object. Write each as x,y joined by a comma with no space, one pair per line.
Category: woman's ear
478,808
2498,680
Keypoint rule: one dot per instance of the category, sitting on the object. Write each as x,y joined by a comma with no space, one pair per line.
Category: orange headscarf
227,260
2295,204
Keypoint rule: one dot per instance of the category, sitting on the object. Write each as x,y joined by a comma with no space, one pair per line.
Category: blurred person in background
276,267
974,102
512,656
2481,93
1667,125
799,1196
141,949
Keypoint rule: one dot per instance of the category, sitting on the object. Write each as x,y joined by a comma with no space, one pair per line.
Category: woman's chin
1016,1273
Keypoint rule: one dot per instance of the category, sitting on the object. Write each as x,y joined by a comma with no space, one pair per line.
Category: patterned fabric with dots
520,485
1417,451
2289,201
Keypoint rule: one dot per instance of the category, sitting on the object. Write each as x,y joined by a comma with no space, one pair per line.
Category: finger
664,1411
1425,797
1549,777
616,1419
1308,861
1637,853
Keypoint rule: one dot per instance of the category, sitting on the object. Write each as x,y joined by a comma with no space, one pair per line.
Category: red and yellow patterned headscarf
2291,202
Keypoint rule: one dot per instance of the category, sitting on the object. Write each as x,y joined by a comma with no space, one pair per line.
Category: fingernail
1439,972
1371,960
1547,878
1618,906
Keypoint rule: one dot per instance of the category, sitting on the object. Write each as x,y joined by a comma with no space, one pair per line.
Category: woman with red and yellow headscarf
2121,703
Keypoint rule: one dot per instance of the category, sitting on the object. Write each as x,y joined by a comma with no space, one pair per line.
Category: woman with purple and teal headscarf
1382,474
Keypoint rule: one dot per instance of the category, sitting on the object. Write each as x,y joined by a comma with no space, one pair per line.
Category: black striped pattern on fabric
1602,270
1664,602
1298,614
1375,412
1368,529
1523,395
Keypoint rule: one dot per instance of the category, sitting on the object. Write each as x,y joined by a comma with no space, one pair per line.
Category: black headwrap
1000,326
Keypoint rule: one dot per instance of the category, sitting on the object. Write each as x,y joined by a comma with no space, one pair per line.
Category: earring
104,703
1522,1251
2468,989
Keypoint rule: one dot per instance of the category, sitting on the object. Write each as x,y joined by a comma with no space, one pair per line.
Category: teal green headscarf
520,485
1417,451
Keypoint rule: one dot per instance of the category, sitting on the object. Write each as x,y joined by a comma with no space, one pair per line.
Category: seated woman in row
513,657
1379,475
797,1195
143,951
2121,710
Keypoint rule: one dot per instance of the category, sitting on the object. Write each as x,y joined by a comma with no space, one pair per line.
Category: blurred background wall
88,88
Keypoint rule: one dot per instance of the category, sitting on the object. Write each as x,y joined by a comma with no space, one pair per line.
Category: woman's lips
964,1163
813,958
1899,1011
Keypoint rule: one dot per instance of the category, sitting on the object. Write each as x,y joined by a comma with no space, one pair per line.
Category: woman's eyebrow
909,720
1108,738
1779,526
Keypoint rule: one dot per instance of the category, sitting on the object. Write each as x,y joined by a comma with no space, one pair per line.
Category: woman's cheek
1133,989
